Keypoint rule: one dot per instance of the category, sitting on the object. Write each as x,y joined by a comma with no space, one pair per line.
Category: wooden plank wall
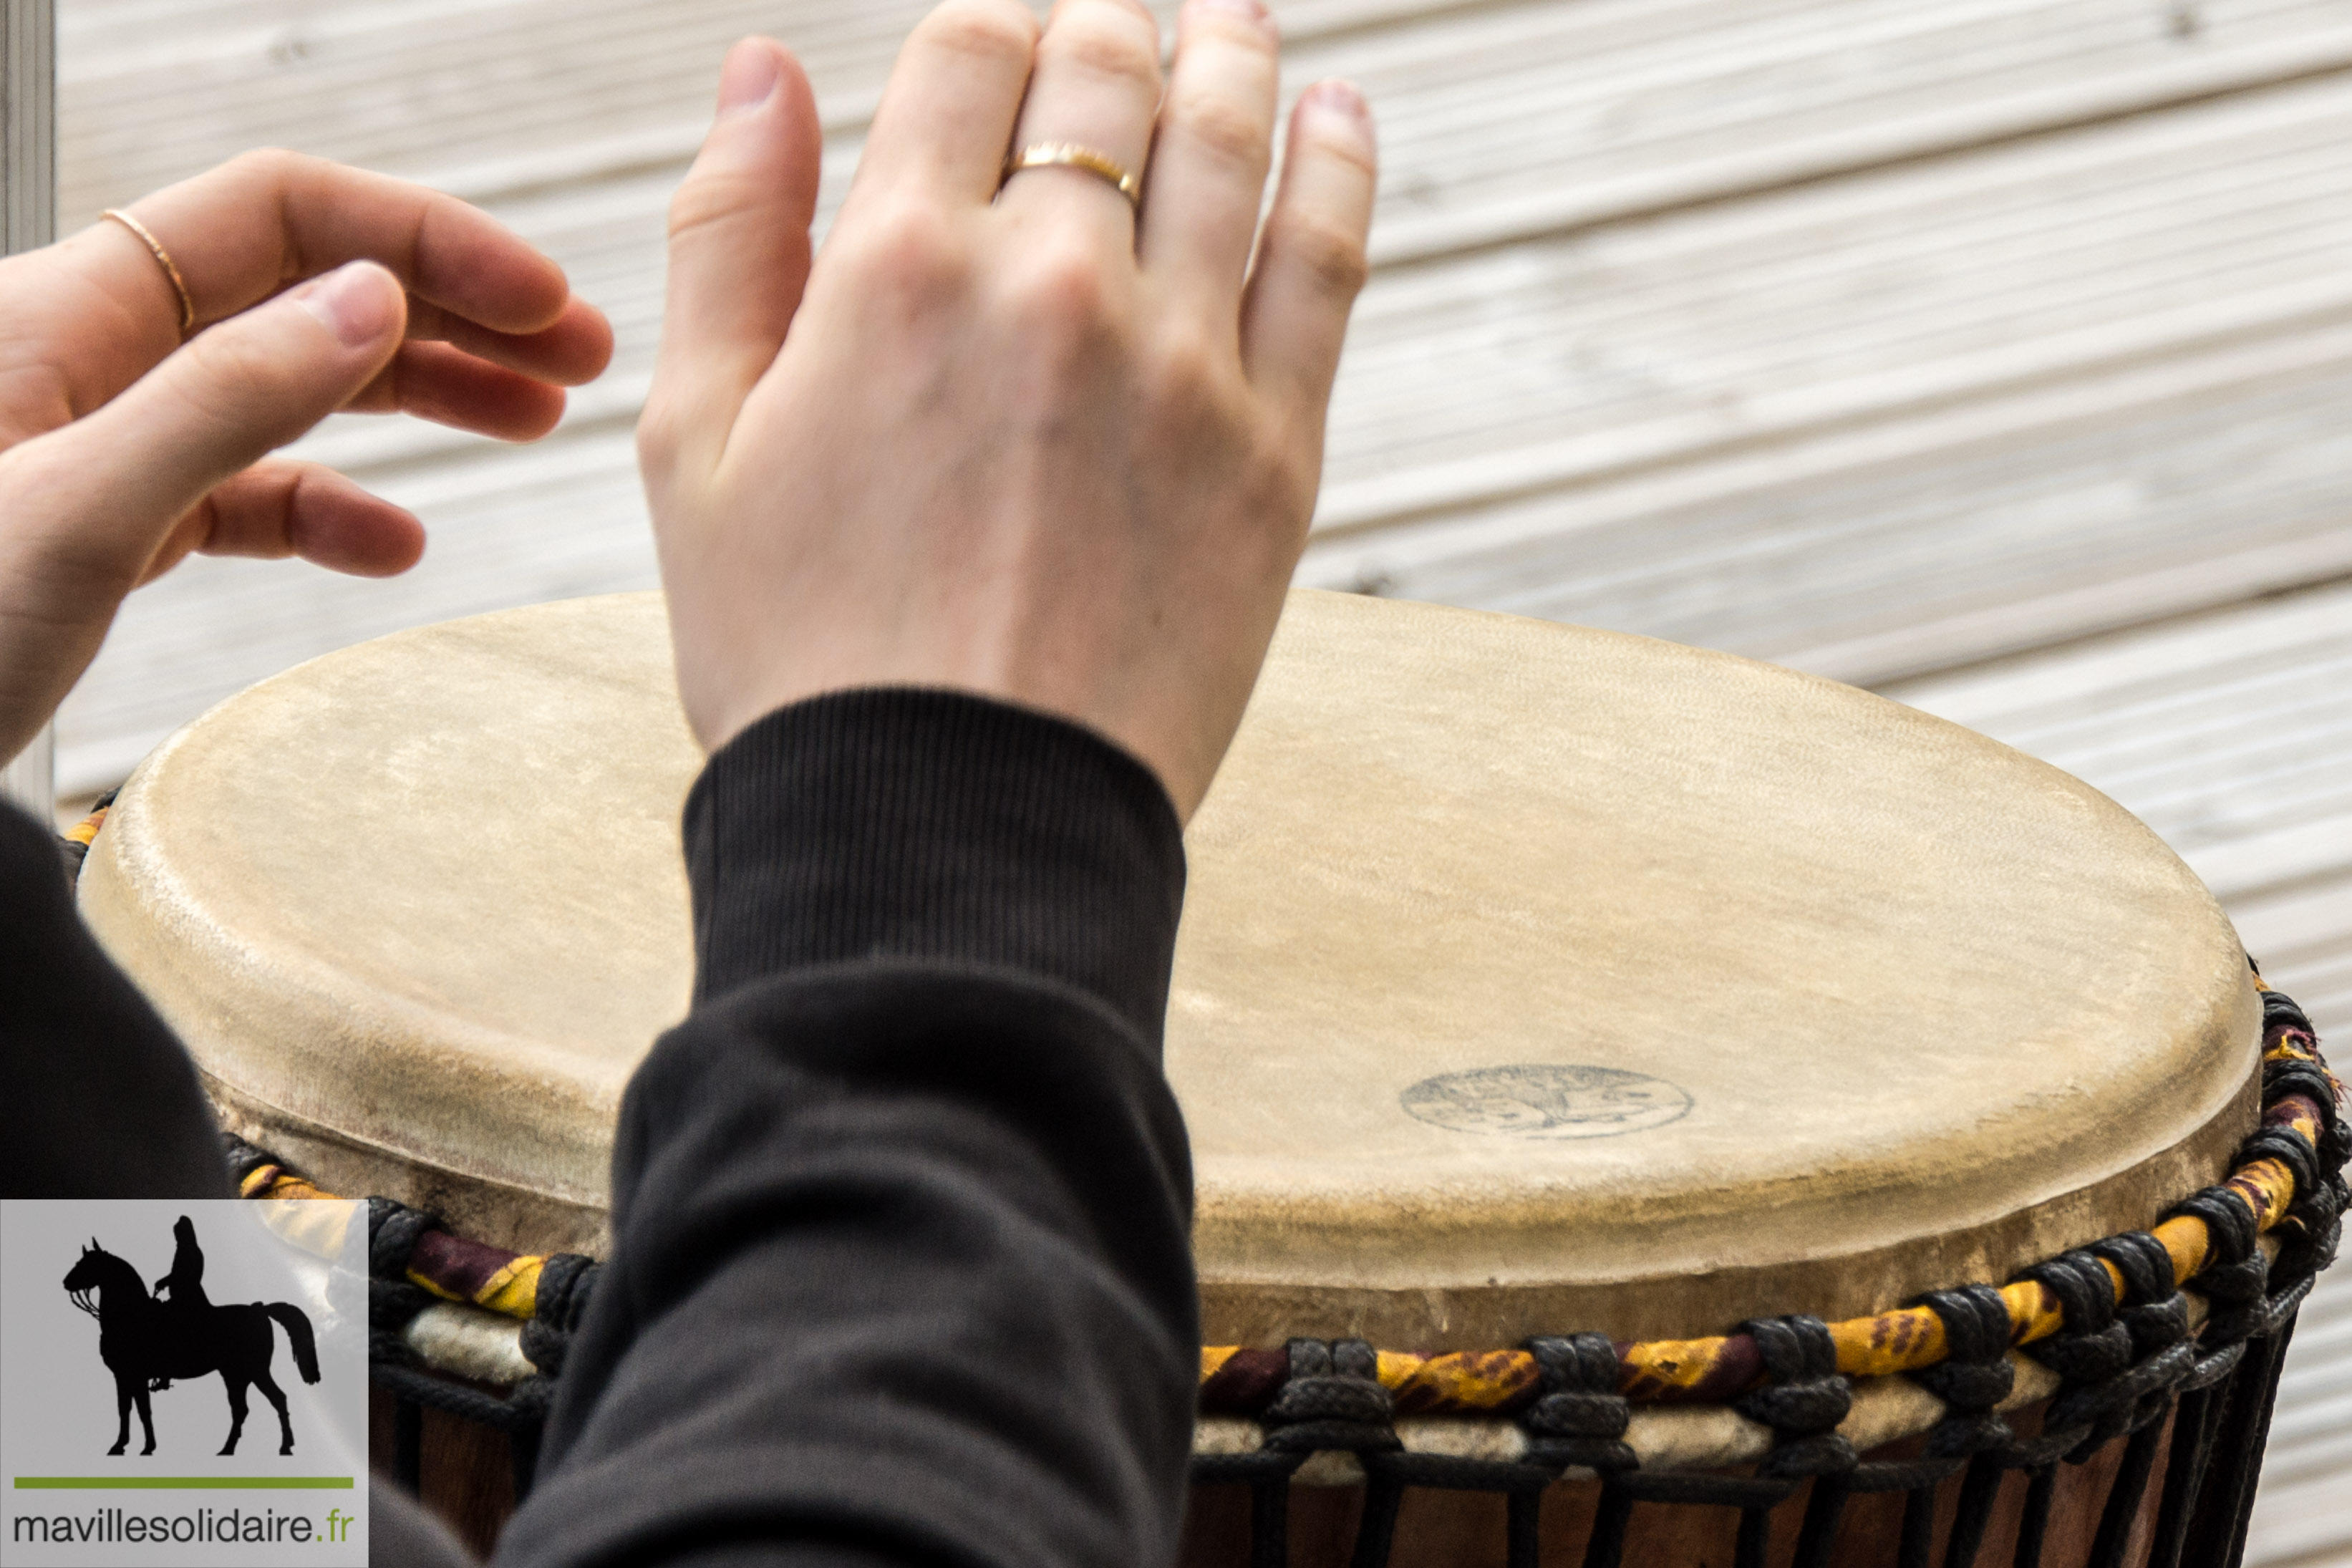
1997,354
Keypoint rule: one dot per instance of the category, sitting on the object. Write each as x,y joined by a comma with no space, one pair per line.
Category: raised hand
126,443
1038,443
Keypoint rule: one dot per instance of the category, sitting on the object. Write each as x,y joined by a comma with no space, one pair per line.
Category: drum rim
1465,1402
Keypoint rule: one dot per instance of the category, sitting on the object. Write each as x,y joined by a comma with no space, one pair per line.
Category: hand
315,287
1019,444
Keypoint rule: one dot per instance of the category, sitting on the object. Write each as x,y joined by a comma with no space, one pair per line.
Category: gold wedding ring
162,259
1070,155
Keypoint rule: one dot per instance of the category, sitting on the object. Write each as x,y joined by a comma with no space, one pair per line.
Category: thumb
230,396
738,252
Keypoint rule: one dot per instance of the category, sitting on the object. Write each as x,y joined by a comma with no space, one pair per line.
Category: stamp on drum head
1547,1101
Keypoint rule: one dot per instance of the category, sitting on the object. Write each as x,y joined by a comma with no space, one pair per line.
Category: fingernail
1254,10
749,77
350,302
1343,96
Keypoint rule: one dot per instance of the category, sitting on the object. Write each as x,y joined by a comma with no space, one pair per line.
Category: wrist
904,823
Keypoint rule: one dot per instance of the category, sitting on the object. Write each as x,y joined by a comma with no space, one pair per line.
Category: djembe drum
1621,1080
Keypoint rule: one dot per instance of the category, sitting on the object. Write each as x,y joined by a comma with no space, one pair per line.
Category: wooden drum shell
1468,1529
466,1476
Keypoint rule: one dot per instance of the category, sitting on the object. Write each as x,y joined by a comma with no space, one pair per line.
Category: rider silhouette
185,1286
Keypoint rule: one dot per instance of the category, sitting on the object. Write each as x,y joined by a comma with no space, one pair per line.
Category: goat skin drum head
1532,978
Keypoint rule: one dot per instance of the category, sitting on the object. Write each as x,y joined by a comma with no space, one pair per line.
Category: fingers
243,231
1097,84
436,382
1310,264
946,115
1209,163
738,247
570,353
121,478
276,509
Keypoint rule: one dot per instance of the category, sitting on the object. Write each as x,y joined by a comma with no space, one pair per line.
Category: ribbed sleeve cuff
911,824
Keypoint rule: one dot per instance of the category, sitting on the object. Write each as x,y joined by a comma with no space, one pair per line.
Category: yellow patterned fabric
277,1182
446,1266
1458,1383
511,1287
1889,1343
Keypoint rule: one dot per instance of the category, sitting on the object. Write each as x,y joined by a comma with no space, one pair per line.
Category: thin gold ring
1071,155
162,259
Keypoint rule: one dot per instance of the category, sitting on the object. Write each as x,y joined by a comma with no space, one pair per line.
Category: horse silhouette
145,1343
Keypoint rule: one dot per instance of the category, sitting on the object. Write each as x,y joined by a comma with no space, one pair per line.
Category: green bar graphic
184,1484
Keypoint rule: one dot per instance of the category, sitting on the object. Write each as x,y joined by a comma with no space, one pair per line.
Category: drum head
1532,978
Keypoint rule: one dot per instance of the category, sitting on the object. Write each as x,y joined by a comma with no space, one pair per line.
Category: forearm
900,1268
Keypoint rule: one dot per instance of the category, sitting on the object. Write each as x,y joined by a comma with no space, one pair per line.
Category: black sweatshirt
900,1268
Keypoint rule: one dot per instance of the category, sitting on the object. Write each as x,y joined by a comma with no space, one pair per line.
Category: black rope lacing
566,1284
1972,1380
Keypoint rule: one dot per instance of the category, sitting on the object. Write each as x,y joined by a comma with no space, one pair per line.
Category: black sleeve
100,1102
901,1268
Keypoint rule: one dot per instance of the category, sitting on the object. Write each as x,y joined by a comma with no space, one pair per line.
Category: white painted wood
1666,347
1545,366
1689,341
28,170
2211,555
1672,119
1486,103
1869,554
